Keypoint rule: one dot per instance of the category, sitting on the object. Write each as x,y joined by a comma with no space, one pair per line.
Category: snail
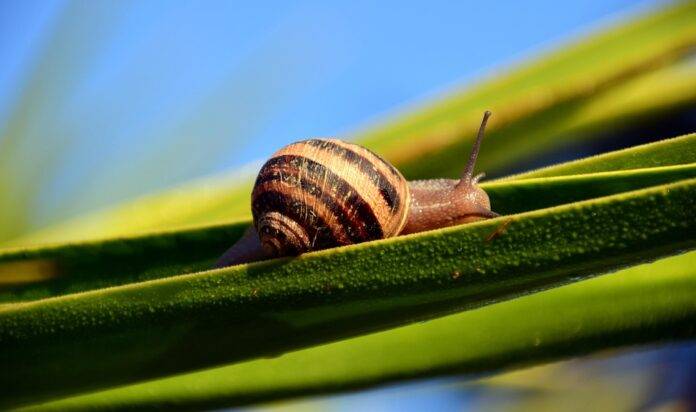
321,193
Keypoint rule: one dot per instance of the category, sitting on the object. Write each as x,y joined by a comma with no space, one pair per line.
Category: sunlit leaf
205,319
646,303
92,265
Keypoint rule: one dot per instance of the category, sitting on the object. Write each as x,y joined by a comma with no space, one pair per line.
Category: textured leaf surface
145,330
646,303
36,273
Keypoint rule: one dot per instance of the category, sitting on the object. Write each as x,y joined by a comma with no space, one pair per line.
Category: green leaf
516,196
94,339
39,273
669,152
643,304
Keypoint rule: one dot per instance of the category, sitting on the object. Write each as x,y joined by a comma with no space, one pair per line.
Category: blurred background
104,101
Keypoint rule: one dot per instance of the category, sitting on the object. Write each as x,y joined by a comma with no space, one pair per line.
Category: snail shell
321,193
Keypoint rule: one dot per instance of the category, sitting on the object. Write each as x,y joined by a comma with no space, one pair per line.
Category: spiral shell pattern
321,193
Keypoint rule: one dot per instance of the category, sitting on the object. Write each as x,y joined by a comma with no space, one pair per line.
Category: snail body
321,193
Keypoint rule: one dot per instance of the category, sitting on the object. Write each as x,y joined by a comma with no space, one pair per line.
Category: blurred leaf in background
118,99
637,88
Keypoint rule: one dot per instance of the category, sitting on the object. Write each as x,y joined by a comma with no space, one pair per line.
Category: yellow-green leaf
78,342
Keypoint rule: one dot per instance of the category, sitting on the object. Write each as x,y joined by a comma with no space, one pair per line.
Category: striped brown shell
321,193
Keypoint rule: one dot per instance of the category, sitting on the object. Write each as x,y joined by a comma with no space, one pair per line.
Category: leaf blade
572,320
330,294
111,262
669,152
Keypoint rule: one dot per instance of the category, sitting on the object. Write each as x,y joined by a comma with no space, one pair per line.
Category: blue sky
138,96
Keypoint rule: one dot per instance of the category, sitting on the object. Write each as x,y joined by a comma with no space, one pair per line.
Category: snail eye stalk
467,175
